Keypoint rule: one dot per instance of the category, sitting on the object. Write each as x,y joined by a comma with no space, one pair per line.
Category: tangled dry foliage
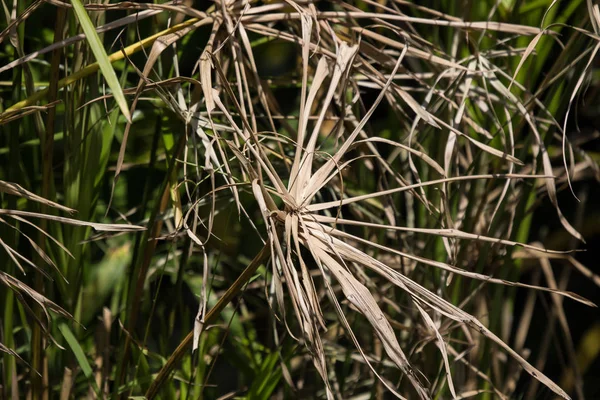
358,225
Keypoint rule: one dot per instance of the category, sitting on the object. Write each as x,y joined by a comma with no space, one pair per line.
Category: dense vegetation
297,199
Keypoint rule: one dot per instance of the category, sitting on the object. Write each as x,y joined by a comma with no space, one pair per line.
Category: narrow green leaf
79,356
266,379
98,49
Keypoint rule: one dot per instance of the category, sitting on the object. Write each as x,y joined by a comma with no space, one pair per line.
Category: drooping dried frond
311,174
21,290
387,169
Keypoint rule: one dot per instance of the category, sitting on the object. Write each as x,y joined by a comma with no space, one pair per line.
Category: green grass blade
101,56
79,354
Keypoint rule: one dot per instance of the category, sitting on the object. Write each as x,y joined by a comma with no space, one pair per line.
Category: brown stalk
211,316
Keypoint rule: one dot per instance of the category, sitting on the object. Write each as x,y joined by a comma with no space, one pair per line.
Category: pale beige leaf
97,226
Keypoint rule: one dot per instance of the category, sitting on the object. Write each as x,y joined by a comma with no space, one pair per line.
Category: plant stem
233,290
